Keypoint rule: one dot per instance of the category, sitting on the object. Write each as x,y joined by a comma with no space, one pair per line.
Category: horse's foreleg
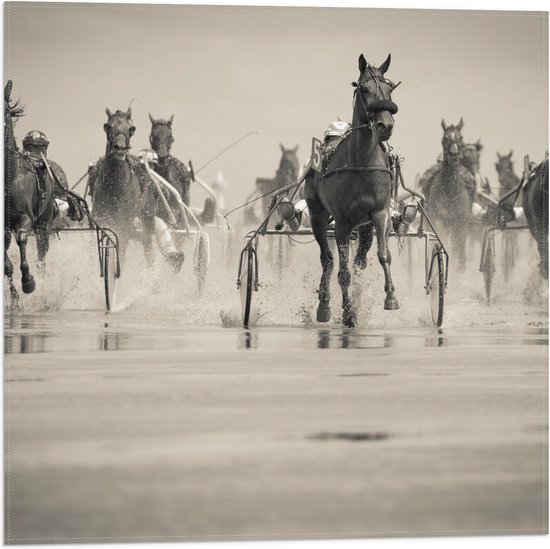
42,245
542,245
148,230
342,233
365,243
382,226
27,281
8,268
460,244
319,224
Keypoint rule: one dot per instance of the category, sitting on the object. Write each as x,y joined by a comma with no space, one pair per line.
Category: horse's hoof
29,285
323,312
391,303
175,260
348,320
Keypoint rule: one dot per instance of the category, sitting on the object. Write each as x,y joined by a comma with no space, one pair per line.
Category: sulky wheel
248,283
487,264
110,275
437,284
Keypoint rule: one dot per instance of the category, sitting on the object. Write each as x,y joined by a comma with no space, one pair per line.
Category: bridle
377,105
161,123
112,138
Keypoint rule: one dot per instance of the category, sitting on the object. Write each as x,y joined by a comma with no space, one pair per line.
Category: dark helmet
35,140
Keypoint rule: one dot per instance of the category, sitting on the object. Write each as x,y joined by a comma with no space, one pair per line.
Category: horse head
453,142
161,137
472,155
289,165
119,129
504,166
375,106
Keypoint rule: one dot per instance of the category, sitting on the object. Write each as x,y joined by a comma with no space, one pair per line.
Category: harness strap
357,169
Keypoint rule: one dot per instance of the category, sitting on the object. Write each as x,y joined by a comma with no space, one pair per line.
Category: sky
284,73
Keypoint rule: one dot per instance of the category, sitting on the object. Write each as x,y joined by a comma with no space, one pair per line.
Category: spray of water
289,276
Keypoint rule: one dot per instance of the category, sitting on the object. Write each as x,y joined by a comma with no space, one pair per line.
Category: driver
35,144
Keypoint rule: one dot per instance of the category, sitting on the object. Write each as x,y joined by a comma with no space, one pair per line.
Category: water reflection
109,340
248,340
352,339
90,332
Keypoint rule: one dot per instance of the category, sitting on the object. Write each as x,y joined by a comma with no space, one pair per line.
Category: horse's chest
118,193
173,177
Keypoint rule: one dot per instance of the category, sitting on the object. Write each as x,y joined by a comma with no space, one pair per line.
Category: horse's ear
151,119
498,154
132,130
108,111
362,64
479,146
511,153
129,113
282,148
460,124
296,148
443,125
171,120
385,65
7,90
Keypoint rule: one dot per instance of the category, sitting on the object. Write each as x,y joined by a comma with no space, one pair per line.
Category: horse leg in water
148,223
8,267
360,261
42,244
460,243
382,225
342,233
319,222
542,245
365,243
27,281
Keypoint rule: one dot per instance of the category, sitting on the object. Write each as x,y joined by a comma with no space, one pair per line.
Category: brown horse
28,200
451,193
535,207
121,189
354,188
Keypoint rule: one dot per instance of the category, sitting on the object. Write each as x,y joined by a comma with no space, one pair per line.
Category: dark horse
535,206
451,193
121,188
354,188
174,171
507,177
28,201
286,173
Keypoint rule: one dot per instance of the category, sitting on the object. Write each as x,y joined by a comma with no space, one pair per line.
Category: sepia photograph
274,272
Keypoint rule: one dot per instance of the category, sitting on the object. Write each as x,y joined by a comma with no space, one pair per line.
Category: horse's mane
15,110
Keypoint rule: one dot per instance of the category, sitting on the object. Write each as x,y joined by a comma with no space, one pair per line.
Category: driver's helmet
336,129
36,142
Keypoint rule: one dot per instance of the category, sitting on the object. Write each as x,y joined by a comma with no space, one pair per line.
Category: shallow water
166,418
